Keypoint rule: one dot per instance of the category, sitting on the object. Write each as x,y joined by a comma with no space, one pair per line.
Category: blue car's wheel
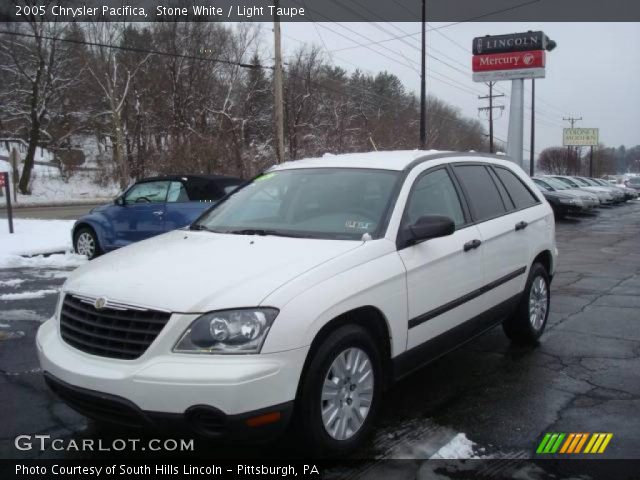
85,242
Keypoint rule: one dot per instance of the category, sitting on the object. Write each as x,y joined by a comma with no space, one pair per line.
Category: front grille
115,331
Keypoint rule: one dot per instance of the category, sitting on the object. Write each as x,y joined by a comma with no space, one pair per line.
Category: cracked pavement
584,376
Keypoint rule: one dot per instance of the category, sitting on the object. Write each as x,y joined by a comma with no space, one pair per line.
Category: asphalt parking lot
583,377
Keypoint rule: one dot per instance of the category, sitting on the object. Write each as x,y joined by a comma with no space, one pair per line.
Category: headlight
228,332
570,201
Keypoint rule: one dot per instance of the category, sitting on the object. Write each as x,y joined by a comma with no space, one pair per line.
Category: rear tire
529,320
340,392
85,242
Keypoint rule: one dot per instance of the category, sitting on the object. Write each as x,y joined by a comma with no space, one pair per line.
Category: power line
136,50
495,12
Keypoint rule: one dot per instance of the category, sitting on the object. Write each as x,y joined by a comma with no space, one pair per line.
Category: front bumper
204,420
174,384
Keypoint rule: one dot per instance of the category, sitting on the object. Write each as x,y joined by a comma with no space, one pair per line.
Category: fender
102,227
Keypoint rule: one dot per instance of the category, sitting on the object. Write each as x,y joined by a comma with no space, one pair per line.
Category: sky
594,72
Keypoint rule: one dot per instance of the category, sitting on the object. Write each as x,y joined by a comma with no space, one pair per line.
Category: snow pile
37,237
458,447
27,295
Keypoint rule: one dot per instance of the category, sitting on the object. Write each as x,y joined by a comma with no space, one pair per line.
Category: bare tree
114,80
36,74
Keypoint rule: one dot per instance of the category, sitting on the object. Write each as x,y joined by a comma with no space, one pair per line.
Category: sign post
515,136
4,182
514,57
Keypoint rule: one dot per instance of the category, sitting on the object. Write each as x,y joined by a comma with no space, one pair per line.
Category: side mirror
427,227
119,201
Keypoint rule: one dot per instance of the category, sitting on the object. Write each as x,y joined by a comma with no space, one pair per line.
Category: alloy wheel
85,244
347,393
538,302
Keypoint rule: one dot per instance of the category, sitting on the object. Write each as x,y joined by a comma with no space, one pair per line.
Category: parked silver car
606,196
587,200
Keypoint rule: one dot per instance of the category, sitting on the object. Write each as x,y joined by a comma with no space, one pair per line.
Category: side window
484,197
434,194
148,192
519,193
177,193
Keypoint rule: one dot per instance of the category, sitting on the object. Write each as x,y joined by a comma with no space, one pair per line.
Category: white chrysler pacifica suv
303,295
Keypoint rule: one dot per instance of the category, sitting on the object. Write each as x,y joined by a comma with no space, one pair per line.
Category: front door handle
471,245
158,213
521,225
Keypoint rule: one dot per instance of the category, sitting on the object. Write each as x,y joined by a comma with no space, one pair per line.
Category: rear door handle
521,225
473,244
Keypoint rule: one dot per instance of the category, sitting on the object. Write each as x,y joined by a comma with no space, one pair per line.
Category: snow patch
40,261
458,447
14,282
48,187
27,295
4,325
22,315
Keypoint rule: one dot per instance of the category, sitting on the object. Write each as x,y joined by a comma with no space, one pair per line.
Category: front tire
528,322
340,391
85,242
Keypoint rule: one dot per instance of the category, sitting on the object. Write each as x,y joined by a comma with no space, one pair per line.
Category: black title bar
320,10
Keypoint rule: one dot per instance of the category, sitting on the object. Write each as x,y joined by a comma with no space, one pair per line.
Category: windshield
634,180
590,181
568,182
557,184
337,203
581,182
543,184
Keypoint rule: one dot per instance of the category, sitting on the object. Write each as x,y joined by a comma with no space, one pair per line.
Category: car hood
187,271
577,193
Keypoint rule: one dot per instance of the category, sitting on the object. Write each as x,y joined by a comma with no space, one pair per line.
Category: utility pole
277,85
489,109
533,127
572,121
423,87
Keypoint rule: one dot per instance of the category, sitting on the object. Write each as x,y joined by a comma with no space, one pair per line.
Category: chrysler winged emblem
100,303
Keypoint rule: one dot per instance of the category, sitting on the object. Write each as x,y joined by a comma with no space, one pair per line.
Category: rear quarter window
520,194
481,191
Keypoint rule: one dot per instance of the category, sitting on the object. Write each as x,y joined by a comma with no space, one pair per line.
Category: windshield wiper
199,226
262,232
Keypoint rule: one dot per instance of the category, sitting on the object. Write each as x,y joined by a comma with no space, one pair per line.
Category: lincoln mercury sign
507,66
513,42
510,57
579,137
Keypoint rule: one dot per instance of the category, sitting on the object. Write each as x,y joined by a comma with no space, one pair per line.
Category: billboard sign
579,137
508,61
513,42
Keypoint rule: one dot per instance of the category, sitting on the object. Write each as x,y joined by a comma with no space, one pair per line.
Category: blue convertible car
147,208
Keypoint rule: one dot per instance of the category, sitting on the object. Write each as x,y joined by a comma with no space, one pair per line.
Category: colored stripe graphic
605,443
567,443
573,443
581,442
543,443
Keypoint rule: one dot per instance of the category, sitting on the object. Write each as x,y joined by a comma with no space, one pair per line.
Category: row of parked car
570,194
